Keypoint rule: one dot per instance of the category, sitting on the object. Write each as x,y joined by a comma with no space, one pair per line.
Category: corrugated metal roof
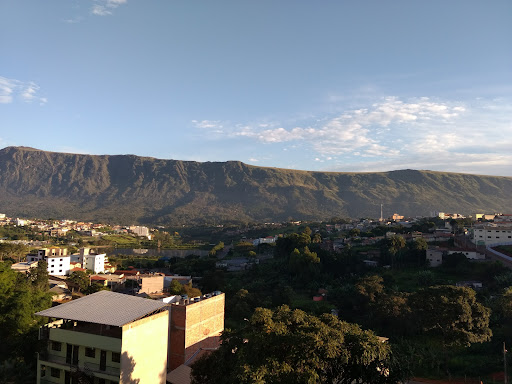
105,307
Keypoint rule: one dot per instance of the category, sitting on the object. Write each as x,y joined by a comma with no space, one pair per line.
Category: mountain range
128,189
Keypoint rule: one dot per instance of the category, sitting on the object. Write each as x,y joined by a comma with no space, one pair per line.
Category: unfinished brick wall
194,326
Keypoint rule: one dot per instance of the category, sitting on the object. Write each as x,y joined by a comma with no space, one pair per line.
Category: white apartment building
58,265
492,234
57,259
93,262
139,231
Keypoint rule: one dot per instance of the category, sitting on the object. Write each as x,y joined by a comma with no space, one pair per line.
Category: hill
131,189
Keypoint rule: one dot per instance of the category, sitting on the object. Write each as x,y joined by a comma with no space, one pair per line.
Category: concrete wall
144,350
194,326
152,284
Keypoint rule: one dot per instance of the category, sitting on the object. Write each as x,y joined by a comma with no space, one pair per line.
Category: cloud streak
12,90
105,7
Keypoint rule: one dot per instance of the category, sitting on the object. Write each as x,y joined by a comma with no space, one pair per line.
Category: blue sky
314,85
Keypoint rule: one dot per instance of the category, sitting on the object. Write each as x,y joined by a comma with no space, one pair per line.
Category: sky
326,85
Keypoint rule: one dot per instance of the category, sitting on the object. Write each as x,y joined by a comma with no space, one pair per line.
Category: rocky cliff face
130,189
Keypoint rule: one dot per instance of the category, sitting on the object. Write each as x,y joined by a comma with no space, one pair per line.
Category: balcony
92,369
96,368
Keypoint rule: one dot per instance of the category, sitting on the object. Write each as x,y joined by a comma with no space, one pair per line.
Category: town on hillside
404,298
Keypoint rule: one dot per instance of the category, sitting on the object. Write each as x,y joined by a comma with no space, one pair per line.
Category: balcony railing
87,367
95,368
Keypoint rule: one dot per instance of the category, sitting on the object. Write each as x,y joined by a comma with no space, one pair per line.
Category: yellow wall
144,350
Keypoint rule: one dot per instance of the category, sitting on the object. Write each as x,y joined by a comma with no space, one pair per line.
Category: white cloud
105,7
207,124
421,133
11,89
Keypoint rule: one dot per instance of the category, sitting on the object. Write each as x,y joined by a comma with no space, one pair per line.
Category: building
139,231
196,325
151,283
92,261
470,253
24,267
435,257
396,217
111,337
59,263
264,240
492,234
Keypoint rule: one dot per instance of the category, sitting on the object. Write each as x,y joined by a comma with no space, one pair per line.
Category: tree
290,346
395,244
305,265
39,276
19,300
190,291
451,315
370,287
80,279
354,232
419,246
15,251
175,287
307,231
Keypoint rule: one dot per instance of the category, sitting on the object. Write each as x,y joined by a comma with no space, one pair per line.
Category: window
60,265
55,372
60,259
56,346
43,370
116,357
90,352
60,270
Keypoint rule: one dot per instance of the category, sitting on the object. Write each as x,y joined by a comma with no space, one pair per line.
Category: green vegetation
20,297
290,346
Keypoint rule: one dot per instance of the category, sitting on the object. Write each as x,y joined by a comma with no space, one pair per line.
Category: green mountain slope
130,189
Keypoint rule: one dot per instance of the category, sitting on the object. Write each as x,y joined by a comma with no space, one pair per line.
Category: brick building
196,325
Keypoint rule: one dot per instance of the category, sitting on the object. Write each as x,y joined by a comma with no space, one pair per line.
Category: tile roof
105,307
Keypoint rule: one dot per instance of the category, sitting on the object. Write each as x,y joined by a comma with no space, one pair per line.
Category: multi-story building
492,234
92,261
115,338
139,231
108,337
57,259
196,325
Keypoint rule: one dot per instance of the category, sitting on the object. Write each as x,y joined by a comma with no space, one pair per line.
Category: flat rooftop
105,307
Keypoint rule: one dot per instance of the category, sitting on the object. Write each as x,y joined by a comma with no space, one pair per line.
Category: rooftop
105,307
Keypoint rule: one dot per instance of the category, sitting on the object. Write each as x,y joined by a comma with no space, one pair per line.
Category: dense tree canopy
290,346
452,315
20,298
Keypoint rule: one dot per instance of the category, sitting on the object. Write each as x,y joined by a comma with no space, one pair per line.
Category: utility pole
505,364
381,219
